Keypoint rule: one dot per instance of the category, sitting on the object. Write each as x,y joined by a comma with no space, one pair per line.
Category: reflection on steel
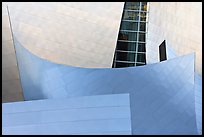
198,102
81,115
162,98
197,88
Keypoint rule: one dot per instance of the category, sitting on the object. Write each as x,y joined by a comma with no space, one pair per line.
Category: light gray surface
180,24
162,98
102,114
73,33
11,88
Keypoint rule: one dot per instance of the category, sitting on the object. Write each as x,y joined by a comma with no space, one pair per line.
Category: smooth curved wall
80,34
180,24
197,89
162,98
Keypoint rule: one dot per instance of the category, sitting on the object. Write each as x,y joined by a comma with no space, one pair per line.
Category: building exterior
66,51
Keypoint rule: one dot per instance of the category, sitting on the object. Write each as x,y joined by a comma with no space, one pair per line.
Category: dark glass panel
143,26
125,56
126,25
143,16
139,64
122,36
144,6
142,37
127,46
131,36
141,47
121,64
132,5
141,57
162,51
131,15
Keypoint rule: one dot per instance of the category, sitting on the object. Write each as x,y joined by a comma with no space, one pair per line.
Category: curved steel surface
198,102
173,21
71,33
162,98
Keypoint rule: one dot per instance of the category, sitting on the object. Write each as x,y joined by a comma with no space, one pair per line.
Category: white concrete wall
180,24
11,87
80,34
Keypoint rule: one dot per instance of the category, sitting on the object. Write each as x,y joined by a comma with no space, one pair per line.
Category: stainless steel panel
162,94
69,116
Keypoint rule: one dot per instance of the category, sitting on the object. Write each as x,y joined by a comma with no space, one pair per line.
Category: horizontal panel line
134,21
64,109
124,61
130,51
132,41
93,133
102,132
71,121
134,31
129,62
136,10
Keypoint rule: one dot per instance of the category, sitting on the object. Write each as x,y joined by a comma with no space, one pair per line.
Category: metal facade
101,114
162,97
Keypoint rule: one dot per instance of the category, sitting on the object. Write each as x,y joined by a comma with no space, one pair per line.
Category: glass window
132,5
131,15
126,25
127,46
121,64
144,6
141,57
125,56
143,26
142,37
122,36
141,47
131,36
139,64
143,16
